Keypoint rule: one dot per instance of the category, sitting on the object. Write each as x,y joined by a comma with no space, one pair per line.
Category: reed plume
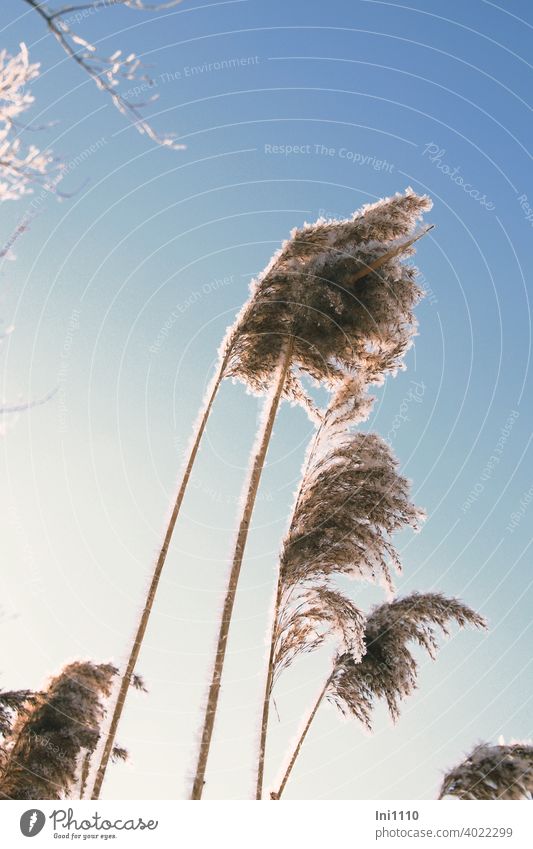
11,703
388,669
492,772
341,290
49,736
351,499
48,746
319,308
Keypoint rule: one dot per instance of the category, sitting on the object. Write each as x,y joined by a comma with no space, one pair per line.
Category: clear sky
120,296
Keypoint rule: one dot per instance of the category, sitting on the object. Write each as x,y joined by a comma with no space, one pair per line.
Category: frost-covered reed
388,668
492,772
336,297
52,731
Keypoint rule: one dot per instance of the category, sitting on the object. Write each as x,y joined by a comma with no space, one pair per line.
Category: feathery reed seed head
492,772
388,669
12,702
316,612
57,726
312,290
352,500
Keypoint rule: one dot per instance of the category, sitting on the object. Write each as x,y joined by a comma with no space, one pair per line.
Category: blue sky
121,294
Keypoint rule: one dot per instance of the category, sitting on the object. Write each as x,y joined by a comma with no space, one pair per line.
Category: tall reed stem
274,637
266,699
242,535
145,616
302,738
84,773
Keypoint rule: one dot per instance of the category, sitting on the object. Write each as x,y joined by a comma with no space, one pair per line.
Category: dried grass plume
492,772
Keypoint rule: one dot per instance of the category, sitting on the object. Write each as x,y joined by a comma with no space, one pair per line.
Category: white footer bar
287,825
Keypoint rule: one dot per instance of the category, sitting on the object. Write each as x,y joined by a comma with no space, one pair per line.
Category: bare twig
106,72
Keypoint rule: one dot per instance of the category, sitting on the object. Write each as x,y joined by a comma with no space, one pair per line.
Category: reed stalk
242,535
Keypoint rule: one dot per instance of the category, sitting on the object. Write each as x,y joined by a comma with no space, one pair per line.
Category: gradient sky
120,296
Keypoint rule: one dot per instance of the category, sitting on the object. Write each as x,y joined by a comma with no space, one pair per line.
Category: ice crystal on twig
20,167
